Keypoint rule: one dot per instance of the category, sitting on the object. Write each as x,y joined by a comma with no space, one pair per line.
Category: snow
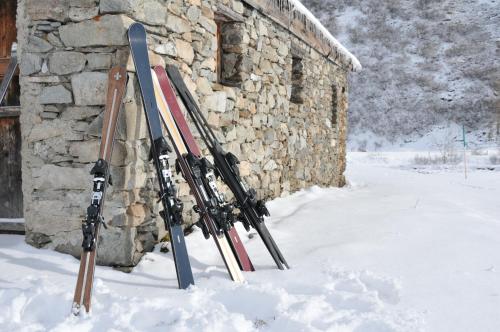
298,6
12,220
400,248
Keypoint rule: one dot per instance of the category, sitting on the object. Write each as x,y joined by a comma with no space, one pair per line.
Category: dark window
297,80
11,196
230,48
8,35
219,50
335,103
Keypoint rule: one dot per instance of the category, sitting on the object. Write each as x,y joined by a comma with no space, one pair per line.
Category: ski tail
181,257
239,250
222,211
271,246
117,81
172,206
252,209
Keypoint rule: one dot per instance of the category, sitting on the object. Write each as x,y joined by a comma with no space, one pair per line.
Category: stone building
271,81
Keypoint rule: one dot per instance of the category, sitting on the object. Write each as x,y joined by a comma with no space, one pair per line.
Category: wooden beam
297,51
12,228
226,14
10,111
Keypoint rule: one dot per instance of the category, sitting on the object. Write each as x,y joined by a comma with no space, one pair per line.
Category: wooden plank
10,114
253,4
11,197
8,32
4,64
12,228
226,14
296,51
8,35
277,12
10,111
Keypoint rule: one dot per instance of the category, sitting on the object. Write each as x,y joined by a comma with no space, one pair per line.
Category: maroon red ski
234,240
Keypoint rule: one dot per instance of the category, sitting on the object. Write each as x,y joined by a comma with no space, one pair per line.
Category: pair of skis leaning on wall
217,216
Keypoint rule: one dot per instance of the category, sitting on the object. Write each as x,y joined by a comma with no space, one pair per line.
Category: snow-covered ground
12,220
401,248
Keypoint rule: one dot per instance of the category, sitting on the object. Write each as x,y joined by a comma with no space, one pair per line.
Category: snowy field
402,248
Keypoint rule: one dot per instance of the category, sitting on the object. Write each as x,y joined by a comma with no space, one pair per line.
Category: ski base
181,258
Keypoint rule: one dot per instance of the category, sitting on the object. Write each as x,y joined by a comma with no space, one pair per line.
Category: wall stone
63,63
284,144
108,30
89,88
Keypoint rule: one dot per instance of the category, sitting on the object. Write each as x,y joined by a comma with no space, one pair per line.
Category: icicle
296,12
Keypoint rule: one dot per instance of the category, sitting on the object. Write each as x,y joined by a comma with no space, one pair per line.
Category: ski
117,80
221,211
9,74
252,210
172,206
213,221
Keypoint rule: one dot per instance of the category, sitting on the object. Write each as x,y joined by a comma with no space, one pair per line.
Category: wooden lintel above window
297,52
226,14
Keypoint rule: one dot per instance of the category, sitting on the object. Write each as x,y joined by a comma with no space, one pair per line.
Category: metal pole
465,155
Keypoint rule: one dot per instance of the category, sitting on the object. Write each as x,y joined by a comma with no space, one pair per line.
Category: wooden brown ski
117,81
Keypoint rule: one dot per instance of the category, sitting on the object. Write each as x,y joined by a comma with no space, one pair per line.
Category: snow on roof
292,15
298,6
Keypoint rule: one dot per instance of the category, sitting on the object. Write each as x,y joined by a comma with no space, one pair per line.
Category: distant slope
424,63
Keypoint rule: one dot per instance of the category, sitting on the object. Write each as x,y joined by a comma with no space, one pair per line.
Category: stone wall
66,48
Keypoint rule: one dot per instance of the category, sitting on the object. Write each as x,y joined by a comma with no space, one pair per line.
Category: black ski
172,206
252,210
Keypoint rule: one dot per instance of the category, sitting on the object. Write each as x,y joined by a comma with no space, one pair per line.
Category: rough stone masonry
274,100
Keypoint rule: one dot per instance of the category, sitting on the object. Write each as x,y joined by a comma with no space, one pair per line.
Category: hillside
424,63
